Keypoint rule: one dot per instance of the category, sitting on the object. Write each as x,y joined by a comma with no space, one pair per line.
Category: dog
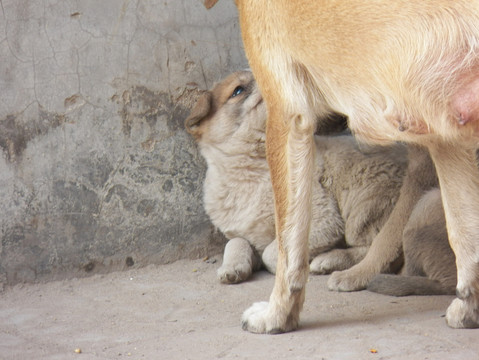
400,71
429,262
354,189
343,197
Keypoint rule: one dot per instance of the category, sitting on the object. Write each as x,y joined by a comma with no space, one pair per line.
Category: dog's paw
462,314
324,264
348,280
260,318
233,274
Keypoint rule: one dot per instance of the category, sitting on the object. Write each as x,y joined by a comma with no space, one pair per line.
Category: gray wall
96,170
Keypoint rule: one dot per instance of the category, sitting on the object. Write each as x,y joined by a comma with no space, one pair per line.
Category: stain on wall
15,135
96,170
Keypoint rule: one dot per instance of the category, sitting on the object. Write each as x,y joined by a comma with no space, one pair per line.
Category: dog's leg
290,144
270,257
239,262
458,175
386,247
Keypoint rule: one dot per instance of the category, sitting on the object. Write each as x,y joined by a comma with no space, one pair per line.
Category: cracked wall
97,172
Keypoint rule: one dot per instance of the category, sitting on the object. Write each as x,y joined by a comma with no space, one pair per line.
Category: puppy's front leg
386,247
289,141
239,262
458,175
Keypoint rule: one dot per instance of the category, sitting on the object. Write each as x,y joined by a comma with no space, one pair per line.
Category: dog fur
354,190
401,71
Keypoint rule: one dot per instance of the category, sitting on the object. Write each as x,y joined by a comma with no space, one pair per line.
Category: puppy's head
229,116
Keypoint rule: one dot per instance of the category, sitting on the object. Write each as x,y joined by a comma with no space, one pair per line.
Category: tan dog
401,71
353,193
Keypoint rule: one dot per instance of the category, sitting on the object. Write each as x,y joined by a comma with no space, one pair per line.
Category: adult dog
401,71
354,187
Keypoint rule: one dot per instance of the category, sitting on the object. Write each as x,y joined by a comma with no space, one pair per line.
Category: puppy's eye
238,90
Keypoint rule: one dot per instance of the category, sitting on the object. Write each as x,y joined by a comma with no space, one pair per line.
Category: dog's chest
240,207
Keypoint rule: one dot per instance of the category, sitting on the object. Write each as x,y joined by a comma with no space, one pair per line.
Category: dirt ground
180,311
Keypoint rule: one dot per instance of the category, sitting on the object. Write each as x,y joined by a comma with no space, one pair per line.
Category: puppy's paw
233,274
261,318
463,314
348,280
324,264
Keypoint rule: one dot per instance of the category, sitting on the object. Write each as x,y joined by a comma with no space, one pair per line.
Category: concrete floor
180,311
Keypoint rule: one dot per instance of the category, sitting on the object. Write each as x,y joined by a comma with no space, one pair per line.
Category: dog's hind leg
386,247
290,144
458,175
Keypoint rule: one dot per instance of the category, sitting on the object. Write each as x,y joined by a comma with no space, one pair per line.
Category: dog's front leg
289,141
458,175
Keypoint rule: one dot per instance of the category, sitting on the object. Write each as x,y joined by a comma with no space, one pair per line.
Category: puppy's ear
199,112
210,3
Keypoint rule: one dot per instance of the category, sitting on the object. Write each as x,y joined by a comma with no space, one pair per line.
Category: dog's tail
398,285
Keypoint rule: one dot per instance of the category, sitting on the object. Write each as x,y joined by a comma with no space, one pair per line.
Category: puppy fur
354,190
429,262
401,71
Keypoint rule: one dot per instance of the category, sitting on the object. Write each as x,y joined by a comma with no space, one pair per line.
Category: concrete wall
96,170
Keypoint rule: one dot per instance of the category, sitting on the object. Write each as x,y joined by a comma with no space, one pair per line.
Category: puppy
401,71
429,262
353,193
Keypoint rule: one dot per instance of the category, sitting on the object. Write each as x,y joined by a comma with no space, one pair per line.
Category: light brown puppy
401,71
354,189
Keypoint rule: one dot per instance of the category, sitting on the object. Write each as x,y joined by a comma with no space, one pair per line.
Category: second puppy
429,262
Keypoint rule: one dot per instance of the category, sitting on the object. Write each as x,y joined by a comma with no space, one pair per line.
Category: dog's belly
461,124
381,115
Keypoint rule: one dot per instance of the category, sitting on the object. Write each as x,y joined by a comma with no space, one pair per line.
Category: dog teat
465,102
